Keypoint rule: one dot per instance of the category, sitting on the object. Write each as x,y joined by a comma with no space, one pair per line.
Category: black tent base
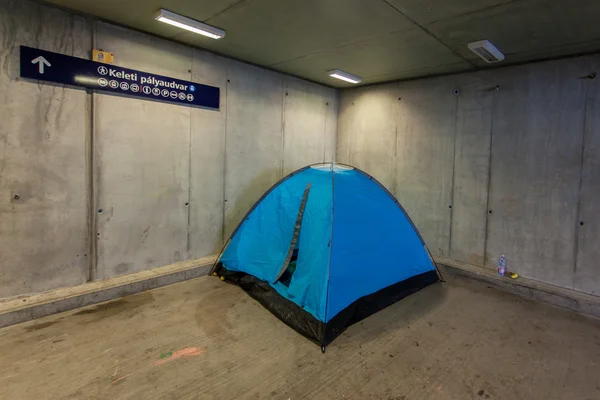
284,309
305,323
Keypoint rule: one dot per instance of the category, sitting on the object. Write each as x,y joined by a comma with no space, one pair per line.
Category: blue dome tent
324,248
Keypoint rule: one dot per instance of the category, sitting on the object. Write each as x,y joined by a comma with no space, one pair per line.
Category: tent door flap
295,235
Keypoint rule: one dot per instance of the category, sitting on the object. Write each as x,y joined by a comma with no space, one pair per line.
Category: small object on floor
502,265
222,278
214,274
513,275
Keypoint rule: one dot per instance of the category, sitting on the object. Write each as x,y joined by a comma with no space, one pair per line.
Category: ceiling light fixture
189,24
336,73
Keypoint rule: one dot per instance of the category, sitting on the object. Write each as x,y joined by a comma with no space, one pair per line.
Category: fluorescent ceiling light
336,73
189,24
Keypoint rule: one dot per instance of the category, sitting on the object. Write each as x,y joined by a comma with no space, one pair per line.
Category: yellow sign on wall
103,56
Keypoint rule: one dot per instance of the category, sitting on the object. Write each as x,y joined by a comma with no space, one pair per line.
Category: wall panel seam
283,104
224,202
325,131
91,148
189,197
395,159
581,164
489,180
453,174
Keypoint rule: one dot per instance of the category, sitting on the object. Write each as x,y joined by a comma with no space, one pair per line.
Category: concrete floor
204,339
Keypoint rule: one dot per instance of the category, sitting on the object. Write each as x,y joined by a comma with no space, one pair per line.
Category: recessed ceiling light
336,73
189,24
487,51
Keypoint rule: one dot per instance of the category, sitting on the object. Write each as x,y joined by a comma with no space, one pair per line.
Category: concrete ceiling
379,40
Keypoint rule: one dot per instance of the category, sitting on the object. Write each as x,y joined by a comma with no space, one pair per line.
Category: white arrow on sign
41,61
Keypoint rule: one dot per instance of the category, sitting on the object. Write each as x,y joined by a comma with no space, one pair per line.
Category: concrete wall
94,185
44,132
507,165
587,270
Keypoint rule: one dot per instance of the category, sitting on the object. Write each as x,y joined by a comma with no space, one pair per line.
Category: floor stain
212,318
118,380
116,304
127,304
37,327
187,352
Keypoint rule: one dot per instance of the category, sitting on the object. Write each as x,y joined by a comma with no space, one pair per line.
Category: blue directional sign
59,68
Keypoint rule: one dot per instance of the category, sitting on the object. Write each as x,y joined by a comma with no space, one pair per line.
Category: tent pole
437,269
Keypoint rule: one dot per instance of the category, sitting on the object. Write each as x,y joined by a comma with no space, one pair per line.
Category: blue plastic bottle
502,265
